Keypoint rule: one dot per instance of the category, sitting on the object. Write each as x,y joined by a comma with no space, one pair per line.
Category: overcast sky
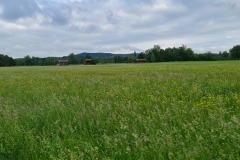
44,28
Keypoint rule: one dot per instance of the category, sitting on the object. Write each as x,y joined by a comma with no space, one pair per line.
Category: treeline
6,61
72,58
155,54
36,61
182,53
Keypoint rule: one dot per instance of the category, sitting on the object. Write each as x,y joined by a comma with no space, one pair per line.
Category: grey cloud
15,9
112,17
56,17
56,14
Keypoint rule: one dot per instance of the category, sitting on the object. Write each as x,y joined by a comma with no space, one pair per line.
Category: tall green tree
153,54
189,54
235,52
141,56
183,53
6,61
28,60
225,55
72,58
152,57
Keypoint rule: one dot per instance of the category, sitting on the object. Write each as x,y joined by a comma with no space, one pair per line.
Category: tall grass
187,110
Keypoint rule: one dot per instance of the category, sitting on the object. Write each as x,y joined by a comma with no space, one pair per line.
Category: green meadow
177,110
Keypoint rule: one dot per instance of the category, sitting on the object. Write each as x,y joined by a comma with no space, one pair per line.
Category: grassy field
179,110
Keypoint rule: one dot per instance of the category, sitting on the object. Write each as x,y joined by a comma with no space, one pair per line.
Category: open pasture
178,110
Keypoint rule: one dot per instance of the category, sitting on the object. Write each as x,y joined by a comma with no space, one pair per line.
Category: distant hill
103,55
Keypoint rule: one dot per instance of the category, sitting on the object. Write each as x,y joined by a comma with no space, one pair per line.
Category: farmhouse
140,61
63,62
90,62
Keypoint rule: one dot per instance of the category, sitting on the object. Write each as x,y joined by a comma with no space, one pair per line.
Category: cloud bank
59,27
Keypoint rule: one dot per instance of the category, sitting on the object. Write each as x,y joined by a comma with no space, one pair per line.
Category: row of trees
183,53
155,54
36,61
73,59
235,52
6,61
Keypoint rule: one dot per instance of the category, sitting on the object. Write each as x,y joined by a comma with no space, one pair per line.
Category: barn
140,61
63,62
89,62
